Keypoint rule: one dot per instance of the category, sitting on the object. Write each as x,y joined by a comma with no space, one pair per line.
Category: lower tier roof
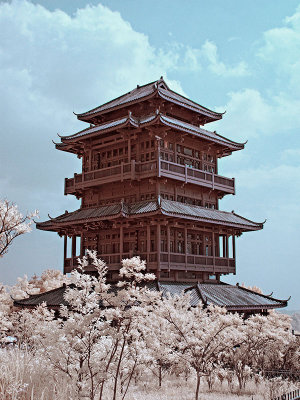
148,208
233,298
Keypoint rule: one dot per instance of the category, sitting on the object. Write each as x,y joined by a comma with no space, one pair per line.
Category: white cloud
291,155
209,52
85,59
52,64
281,49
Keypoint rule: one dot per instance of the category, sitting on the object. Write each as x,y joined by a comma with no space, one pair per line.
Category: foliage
12,224
111,338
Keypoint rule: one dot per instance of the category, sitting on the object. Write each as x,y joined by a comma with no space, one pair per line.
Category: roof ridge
41,294
197,104
116,98
96,126
204,132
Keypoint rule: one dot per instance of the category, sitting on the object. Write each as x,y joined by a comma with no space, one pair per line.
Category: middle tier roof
149,208
73,143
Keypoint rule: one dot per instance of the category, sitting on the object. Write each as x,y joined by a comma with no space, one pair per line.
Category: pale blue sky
58,56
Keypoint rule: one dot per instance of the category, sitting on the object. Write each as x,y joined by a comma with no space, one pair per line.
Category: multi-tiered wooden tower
149,186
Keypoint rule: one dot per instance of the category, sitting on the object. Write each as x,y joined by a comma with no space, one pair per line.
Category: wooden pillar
90,160
185,246
132,167
81,244
233,246
148,242
129,148
158,159
121,242
213,250
168,245
65,250
158,245
73,249
224,246
227,253
217,245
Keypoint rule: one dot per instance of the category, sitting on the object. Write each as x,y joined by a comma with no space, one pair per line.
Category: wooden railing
291,395
175,261
137,170
197,262
192,175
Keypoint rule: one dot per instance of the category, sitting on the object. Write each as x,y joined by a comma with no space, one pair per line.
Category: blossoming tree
12,224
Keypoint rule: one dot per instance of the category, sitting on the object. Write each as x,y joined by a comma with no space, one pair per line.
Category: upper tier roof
157,88
155,118
159,206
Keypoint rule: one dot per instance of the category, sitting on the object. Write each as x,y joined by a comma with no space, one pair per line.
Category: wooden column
217,245
158,245
148,242
224,246
233,246
227,253
168,245
213,250
65,250
81,245
129,148
158,159
90,160
132,167
73,246
121,241
185,246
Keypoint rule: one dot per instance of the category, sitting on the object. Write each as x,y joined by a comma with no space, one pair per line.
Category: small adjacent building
150,186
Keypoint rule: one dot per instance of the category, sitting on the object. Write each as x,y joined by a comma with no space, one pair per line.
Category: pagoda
150,187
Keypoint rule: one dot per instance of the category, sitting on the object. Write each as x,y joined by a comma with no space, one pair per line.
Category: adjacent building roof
233,298
155,118
157,88
159,206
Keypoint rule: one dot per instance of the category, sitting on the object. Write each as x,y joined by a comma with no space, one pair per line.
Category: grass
24,376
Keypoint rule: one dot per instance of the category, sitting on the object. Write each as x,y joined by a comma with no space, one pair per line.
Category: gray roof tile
234,298
167,207
165,120
147,90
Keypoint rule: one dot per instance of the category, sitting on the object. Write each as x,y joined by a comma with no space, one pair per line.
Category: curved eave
159,88
58,225
244,228
283,303
86,117
201,133
227,144
212,115
256,307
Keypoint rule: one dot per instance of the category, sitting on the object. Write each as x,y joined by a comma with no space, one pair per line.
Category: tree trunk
198,386
159,376
118,369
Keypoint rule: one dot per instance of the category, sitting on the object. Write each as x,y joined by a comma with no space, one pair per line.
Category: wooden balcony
190,262
137,170
172,261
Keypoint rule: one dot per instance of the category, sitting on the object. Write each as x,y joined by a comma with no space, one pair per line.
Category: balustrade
140,170
177,261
